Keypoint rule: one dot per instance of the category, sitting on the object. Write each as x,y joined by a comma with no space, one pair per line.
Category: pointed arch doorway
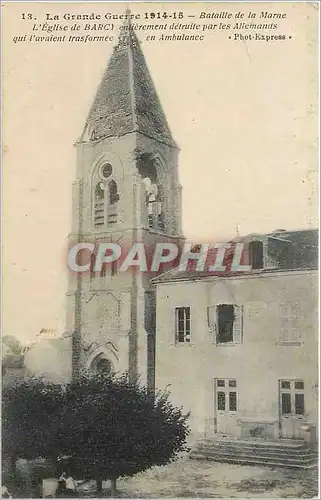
102,360
103,365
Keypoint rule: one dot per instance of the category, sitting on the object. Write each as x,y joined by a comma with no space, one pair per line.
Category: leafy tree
31,419
113,427
108,426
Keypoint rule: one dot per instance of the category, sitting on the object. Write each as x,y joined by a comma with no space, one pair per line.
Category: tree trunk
113,490
99,482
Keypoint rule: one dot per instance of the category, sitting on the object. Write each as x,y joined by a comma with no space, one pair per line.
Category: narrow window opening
256,254
286,403
99,205
92,265
221,401
154,203
113,194
232,401
299,404
183,324
151,210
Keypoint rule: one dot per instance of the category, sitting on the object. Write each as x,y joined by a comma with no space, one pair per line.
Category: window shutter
284,329
284,322
238,324
211,317
176,324
289,322
295,331
211,321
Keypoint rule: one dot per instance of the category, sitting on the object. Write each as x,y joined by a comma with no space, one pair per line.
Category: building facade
240,352
126,191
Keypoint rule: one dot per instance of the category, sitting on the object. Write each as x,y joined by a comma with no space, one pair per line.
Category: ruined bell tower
126,190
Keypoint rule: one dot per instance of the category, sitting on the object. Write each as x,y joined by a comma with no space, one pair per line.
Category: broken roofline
217,259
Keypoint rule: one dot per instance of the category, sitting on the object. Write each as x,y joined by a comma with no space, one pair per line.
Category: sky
243,113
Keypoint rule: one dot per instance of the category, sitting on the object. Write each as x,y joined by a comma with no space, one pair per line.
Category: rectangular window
228,323
292,397
299,404
286,403
226,395
225,322
256,254
232,401
183,324
221,401
289,329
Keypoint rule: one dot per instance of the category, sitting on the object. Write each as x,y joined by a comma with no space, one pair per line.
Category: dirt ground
202,479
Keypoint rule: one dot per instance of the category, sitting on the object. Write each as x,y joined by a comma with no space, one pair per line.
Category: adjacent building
240,351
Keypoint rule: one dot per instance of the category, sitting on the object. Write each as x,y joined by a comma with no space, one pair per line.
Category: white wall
258,363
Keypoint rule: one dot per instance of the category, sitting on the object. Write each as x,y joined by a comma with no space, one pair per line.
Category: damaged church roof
126,100
290,250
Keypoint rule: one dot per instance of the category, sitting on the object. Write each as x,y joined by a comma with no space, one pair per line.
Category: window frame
104,209
292,392
289,331
186,320
256,244
229,389
238,321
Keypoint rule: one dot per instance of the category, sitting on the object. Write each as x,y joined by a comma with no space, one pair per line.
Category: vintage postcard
160,331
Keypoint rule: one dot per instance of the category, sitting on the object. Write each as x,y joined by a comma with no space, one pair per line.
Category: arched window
113,194
154,202
256,254
99,209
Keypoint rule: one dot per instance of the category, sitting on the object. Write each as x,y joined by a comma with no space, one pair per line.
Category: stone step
297,445
252,461
255,450
304,459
